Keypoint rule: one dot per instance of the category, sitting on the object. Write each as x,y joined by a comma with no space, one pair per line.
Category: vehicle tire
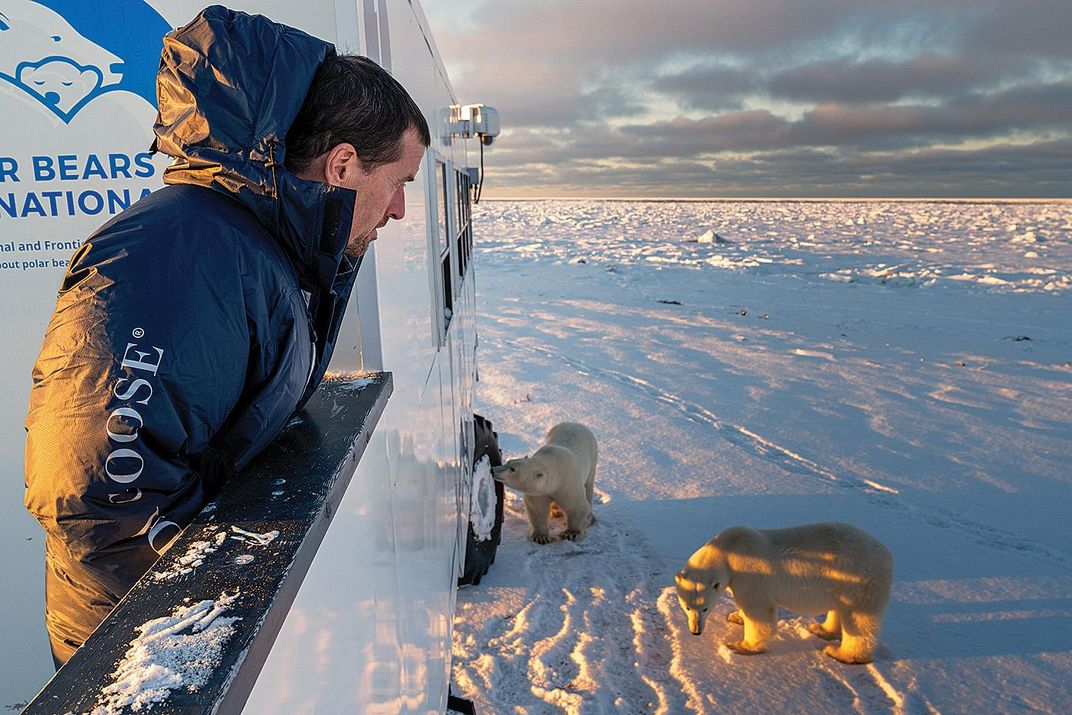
480,553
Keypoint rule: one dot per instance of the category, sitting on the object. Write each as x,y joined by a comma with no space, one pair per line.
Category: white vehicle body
370,630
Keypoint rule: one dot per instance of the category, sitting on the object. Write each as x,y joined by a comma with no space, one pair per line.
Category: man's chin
356,249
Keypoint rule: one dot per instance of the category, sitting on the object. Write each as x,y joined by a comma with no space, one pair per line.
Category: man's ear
340,164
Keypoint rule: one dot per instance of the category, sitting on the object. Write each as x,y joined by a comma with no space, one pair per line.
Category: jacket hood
229,87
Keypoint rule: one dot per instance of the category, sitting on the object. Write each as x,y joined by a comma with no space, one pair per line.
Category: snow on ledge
254,539
193,558
178,651
353,381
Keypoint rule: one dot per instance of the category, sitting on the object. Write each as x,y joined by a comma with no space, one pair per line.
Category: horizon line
932,199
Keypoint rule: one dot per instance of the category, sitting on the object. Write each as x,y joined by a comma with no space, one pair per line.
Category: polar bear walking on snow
831,568
563,470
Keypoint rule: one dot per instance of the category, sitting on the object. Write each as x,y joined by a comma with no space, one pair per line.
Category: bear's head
528,475
697,590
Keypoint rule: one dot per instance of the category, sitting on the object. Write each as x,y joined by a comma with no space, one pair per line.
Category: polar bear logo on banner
66,53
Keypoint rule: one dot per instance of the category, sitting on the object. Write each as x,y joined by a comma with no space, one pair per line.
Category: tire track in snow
881,495
587,638
869,690
842,696
668,609
651,640
552,671
860,689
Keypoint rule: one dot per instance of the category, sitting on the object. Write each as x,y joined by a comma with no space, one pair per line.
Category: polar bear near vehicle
563,470
813,569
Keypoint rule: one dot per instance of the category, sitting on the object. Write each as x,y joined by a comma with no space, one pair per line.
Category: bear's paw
838,654
818,630
742,648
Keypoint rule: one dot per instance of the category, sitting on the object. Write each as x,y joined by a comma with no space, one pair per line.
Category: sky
771,98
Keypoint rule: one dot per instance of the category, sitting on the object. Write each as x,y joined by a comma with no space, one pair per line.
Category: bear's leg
735,617
589,484
828,630
538,507
859,638
576,523
759,625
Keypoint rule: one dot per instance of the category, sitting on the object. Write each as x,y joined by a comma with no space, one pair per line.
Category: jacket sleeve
129,388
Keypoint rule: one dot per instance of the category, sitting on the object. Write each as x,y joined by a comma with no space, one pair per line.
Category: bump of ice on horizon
710,236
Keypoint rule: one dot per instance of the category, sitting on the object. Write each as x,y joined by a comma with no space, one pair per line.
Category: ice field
902,366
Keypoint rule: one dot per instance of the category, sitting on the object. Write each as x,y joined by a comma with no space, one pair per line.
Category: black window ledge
294,487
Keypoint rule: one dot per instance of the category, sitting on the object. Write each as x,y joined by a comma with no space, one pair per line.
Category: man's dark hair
353,100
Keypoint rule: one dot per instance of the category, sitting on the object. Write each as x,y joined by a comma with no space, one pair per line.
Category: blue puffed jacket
191,327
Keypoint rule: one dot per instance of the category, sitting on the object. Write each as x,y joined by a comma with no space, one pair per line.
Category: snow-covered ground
905,367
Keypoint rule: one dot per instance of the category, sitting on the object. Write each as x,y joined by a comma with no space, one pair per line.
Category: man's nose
397,208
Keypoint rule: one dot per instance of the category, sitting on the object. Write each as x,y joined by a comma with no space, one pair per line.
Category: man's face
381,193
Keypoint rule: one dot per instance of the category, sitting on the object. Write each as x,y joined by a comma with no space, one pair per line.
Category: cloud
615,31
830,96
997,171
846,80
709,87
983,116
1034,109
1018,29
